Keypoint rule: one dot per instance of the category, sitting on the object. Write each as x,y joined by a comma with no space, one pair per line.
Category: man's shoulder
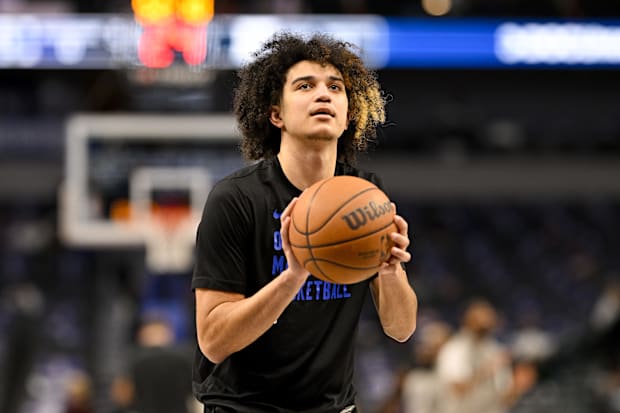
246,172
245,176
348,169
243,182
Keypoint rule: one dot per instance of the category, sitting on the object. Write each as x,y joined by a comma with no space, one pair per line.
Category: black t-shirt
159,375
304,362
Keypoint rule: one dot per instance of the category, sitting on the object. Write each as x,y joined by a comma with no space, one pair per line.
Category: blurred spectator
158,379
607,307
420,387
606,382
474,369
605,320
530,343
25,305
79,394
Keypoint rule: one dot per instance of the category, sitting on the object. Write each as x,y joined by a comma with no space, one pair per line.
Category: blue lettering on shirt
318,290
317,285
300,295
313,289
308,286
336,292
326,289
279,265
277,241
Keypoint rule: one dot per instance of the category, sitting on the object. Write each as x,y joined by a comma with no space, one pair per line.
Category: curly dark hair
261,84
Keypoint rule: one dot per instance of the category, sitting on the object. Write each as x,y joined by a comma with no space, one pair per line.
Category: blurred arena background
502,151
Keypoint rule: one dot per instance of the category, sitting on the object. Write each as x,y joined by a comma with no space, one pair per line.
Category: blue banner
479,43
441,43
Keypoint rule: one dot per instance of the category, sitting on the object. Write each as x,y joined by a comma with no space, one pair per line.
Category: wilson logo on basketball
360,216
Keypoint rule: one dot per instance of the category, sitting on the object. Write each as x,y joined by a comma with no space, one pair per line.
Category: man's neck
303,166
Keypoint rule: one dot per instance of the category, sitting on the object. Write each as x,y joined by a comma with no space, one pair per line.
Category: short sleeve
222,241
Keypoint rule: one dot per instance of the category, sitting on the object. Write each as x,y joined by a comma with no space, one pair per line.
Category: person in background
420,384
79,393
474,369
416,385
158,374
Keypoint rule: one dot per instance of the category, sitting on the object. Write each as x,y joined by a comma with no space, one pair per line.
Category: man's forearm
233,325
396,302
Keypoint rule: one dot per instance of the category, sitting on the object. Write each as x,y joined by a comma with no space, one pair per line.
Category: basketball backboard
142,180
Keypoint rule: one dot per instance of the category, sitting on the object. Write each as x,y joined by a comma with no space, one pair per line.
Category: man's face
481,318
314,103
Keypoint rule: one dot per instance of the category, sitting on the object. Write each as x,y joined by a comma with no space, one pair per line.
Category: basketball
340,229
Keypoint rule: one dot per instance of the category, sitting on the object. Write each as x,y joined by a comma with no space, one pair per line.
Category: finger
289,208
400,240
291,259
284,226
401,224
399,255
285,221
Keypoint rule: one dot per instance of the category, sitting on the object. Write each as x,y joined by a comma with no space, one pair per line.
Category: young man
271,337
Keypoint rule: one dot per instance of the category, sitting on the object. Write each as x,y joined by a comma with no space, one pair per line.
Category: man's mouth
323,111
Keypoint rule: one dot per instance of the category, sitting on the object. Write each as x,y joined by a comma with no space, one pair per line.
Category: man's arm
228,322
394,298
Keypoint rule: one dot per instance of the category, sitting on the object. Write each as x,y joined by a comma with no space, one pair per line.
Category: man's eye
335,87
304,86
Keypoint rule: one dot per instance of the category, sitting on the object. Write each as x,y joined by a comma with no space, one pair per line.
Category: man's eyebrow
310,77
336,78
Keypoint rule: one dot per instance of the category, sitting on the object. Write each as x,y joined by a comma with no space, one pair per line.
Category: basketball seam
340,264
307,234
335,212
319,268
310,246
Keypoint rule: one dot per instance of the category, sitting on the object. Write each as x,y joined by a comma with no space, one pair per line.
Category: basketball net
169,235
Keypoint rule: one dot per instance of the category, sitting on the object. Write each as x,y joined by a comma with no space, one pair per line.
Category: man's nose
322,92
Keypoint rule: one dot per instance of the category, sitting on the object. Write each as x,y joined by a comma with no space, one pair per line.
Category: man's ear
274,116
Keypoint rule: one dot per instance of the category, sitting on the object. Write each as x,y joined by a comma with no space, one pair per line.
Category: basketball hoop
168,227
169,237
